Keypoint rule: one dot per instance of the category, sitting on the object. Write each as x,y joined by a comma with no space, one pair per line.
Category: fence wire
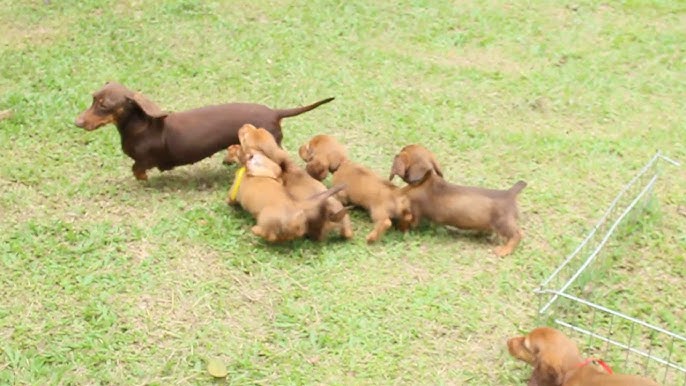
632,345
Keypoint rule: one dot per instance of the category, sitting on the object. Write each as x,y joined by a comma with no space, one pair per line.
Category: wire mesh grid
566,297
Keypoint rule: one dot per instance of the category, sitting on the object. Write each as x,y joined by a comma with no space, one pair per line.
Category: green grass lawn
107,280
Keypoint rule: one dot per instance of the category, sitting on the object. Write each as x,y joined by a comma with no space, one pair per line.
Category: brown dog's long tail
285,113
516,188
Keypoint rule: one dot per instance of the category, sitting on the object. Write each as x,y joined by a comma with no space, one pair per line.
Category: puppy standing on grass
261,192
364,188
464,207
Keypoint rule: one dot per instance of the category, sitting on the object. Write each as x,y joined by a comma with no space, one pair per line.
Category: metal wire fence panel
568,296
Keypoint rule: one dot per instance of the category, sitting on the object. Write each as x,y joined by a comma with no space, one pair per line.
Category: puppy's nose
80,122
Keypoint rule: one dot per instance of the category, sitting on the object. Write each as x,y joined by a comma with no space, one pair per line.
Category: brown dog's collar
597,361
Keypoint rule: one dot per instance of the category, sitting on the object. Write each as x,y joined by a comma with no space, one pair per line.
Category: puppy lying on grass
258,188
299,185
464,207
364,188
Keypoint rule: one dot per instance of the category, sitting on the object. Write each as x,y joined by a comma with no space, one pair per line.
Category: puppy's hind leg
507,228
140,171
346,228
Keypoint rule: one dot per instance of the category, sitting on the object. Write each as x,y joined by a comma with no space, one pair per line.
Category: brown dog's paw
502,250
347,233
372,237
141,176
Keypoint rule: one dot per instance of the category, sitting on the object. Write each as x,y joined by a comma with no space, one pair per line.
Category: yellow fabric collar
236,183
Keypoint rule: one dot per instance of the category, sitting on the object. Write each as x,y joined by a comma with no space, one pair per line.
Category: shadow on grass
306,251
442,233
203,179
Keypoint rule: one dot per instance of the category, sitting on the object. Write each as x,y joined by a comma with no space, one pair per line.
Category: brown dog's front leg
139,172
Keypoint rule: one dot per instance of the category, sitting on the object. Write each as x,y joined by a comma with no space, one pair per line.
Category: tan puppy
557,362
464,207
301,185
261,192
364,188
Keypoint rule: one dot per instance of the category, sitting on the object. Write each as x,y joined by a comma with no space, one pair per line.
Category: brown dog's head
114,101
323,154
550,352
413,162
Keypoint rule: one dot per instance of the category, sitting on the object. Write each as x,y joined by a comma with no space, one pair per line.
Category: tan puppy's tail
319,199
516,188
327,193
285,113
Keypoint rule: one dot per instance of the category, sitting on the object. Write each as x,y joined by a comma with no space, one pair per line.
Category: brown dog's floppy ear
437,166
417,173
398,168
148,106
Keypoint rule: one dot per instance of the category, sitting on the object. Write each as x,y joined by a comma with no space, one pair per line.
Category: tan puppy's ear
436,165
147,106
335,161
398,168
317,169
305,153
416,174
418,182
547,374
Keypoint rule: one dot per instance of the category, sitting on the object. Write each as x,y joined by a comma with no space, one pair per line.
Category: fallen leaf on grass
4,114
217,368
